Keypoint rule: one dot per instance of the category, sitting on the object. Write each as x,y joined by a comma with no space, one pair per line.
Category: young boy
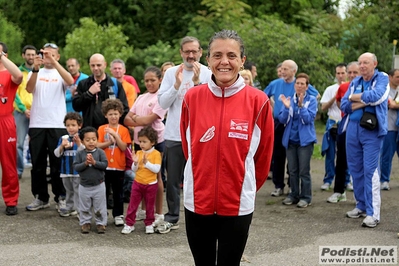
91,163
67,147
113,139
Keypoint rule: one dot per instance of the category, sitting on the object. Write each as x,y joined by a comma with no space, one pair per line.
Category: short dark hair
392,72
5,48
74,116
154,70
28,47
248,65
150,133
86,130
112,104
303,75
227,34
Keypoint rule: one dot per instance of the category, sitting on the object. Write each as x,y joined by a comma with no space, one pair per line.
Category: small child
146,164
113,139
91,163
68,145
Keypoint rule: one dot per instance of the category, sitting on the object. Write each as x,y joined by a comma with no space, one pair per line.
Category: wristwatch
35,70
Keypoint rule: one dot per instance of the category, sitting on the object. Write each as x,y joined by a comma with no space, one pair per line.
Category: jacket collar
226,91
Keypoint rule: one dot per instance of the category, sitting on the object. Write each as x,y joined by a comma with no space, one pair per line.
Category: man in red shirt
10,78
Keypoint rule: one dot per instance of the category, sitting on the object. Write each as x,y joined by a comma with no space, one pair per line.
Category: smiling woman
230,123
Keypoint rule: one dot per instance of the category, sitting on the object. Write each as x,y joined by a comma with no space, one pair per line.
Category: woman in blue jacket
298,113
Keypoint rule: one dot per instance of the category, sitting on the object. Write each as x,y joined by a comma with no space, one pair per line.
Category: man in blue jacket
73,67
367,93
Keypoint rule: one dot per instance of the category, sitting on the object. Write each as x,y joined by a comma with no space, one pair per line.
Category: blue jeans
298,158
389,146
329,163
22,123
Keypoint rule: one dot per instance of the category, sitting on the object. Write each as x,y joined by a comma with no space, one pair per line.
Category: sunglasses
52,45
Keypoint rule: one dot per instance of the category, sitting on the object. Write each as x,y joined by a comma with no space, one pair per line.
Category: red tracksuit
8,140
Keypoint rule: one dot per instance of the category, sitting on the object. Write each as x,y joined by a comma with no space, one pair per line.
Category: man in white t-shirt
46,125
176,81
329,104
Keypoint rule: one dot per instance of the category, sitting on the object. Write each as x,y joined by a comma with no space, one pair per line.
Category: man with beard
176,81
22,105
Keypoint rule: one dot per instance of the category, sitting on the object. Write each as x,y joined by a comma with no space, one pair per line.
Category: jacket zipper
218,153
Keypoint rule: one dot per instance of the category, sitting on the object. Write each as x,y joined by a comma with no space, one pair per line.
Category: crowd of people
208,129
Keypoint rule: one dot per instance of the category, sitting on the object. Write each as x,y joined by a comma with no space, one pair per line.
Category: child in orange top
146,164
113,139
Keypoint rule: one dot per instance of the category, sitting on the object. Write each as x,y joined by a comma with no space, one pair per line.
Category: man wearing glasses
176,81
10,78
46,124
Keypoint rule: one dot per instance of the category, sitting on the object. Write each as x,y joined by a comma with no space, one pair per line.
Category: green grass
317,152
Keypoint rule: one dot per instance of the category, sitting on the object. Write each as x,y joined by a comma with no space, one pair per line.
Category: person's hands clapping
197,71
179,76
286,100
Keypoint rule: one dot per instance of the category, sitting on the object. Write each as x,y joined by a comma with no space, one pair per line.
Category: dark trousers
114,179
217,240
279,155
341,166
42,143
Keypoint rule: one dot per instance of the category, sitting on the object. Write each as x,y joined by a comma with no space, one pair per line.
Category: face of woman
300,86
151,82
225,61
247,81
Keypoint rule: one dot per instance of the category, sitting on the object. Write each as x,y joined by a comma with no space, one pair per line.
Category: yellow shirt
145,176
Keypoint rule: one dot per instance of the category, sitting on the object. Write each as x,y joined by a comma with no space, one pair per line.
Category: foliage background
145,33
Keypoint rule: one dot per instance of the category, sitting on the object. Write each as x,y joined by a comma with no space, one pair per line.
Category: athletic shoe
140,215
288,201
277,192
349,187
149,229
159,218
325,186
37,205
100,229
355,213
67,213
337,197
86,228
385,186
369,221
11,210
303,204
165,227
127,229
61,205
118,220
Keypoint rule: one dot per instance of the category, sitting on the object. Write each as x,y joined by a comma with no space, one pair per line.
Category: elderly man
118,71
366,105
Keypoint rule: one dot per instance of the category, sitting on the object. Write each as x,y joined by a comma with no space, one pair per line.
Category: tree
91,38
12,36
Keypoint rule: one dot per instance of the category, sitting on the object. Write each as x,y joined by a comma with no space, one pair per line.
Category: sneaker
37,205
118,220
61,205
355,213
67,213
337,197
159,218
140,215
385,186
86,228
325,186
303,204
369,221
165,227
349,187
149,229
100,229
277,192
288,201
127,229
11,210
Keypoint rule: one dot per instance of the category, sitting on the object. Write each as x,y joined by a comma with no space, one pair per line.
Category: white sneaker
355,213
277,192
337,197
118,220
369,221
149,229
37,205
349,187
159,218
385,186
325,186
61,205
127,229
140,215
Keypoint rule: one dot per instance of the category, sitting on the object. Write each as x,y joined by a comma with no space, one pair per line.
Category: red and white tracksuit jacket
227,138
